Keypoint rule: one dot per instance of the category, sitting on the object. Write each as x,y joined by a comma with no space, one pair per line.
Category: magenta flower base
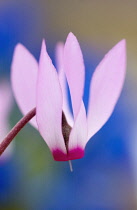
72,155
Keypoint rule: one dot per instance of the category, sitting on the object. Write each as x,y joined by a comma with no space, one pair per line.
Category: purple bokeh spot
73,154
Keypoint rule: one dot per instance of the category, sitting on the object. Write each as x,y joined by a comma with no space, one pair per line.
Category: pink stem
15,130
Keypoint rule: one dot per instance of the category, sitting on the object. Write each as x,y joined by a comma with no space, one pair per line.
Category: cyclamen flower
6,103
41,86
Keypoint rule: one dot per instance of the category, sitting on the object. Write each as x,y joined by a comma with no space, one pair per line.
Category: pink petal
49,104
78,135
62,80
74,70
23,78
59,55
106,86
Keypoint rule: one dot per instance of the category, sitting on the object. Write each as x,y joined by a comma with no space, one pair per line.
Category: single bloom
6,103
40,85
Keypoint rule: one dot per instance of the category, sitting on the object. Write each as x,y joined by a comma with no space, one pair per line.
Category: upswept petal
49,103
78,135
62,80
23,78
74,70
106,86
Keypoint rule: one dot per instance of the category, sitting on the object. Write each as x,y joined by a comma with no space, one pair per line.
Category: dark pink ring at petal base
73,154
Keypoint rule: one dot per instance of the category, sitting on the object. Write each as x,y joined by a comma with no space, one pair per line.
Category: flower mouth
72,154
66,129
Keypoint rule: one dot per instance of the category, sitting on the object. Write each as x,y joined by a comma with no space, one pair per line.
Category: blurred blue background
106,178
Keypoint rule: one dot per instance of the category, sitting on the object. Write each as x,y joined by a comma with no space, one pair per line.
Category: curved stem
15,130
